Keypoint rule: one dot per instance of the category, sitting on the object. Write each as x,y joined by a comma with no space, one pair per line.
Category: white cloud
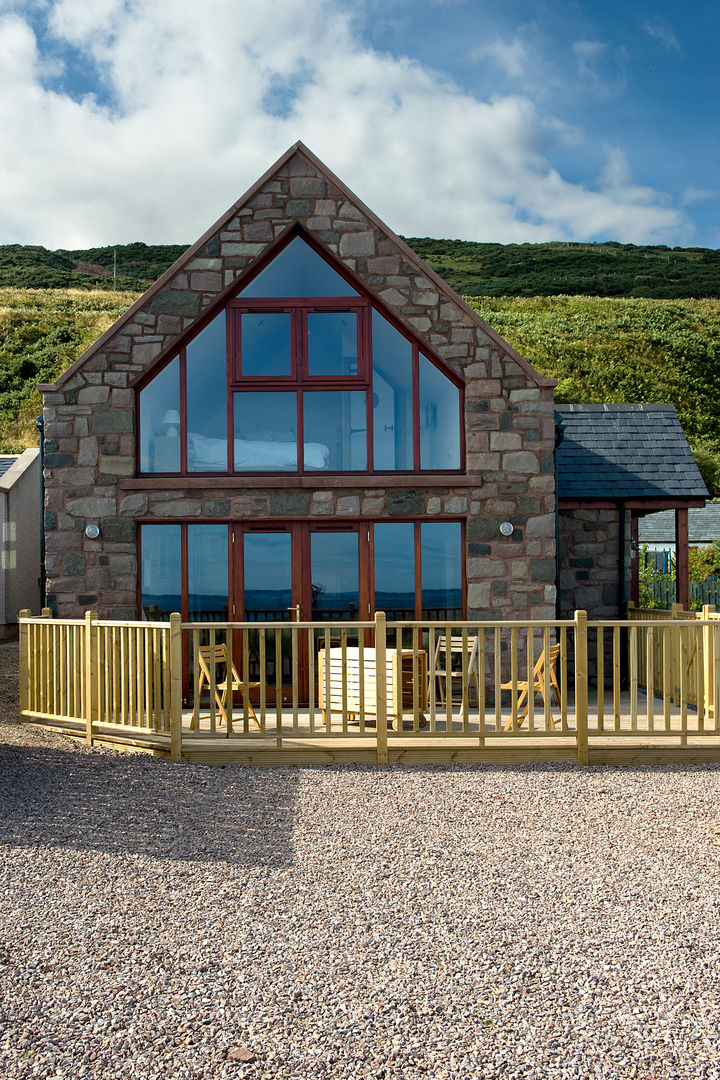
664,34
695,195
512,57
198,100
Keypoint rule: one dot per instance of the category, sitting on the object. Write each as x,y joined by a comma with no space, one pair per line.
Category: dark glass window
160,574
298,270
394,559
208,572
335,425
266,431
441,562
206,373
332,343
265,343
267,576
307,379
392,396
334,574
160,421
439,419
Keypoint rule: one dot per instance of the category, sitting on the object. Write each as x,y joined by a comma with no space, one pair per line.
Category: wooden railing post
381,687
90,674
24,661
707,660
581,686
175,653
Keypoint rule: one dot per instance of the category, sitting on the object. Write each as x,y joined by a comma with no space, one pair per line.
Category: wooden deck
618,742
123,685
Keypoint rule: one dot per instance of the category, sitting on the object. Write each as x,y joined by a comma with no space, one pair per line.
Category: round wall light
92,531
506,528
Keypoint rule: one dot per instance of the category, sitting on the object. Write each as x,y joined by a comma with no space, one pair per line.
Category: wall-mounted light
92,531
507,528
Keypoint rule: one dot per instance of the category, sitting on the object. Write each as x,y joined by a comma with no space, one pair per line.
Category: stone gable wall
509,423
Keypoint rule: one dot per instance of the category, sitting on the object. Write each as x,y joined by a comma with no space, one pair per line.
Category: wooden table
399,676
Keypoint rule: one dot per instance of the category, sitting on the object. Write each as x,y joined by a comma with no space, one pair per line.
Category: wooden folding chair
217,655
538,683
448,667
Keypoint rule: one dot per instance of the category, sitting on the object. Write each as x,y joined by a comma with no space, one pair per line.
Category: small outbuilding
20,514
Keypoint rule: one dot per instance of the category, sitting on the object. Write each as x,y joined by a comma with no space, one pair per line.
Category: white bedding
206,453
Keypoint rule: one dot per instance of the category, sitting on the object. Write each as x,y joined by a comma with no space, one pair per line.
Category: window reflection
160,577
334,575
160,421
208,572
267,576
336,429
266,432
441,566
332,343
392,396
265,343
394,558
439,419
206,367
298,270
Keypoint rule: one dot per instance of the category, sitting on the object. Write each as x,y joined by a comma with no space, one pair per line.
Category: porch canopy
632,457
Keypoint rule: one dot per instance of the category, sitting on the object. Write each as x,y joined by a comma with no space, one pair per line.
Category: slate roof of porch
625,452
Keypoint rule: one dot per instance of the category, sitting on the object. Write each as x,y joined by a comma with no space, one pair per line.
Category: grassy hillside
472,269
600,349
571,269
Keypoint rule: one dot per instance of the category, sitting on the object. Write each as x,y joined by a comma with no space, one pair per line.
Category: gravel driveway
471,921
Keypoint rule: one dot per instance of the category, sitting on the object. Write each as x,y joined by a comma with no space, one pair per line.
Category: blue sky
126,120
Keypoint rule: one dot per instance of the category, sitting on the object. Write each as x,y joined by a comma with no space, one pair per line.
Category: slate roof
625,452
703,526
6,460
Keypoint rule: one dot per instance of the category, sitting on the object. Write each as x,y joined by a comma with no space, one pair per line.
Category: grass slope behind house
472,269
600,349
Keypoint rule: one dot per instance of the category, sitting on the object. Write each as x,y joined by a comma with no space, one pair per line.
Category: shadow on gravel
141,805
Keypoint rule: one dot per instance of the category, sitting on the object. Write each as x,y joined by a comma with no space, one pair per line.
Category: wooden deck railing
175,685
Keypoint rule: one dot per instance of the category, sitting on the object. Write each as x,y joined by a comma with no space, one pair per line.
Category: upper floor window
299,373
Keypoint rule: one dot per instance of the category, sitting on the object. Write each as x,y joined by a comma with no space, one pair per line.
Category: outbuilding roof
6,460
625,452
703,526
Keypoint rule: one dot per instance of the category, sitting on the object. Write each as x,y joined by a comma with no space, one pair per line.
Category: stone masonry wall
509,425
589,563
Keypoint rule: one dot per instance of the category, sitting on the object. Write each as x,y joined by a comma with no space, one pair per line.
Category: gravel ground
168,920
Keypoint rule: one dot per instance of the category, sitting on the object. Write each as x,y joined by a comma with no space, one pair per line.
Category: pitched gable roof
222,260
625,451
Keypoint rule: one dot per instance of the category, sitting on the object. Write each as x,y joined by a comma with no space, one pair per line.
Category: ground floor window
259,572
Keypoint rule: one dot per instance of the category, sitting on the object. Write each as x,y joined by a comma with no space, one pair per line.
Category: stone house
301,417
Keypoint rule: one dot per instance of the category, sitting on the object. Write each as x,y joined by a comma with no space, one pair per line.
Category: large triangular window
300,373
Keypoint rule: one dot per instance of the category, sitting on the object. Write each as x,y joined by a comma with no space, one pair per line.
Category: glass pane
208,572
206,373
439,419
332,343
160,579
392,396
267,576
334,575
160,421
298,271
395,570
266,431
265,343
335,430
441,568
